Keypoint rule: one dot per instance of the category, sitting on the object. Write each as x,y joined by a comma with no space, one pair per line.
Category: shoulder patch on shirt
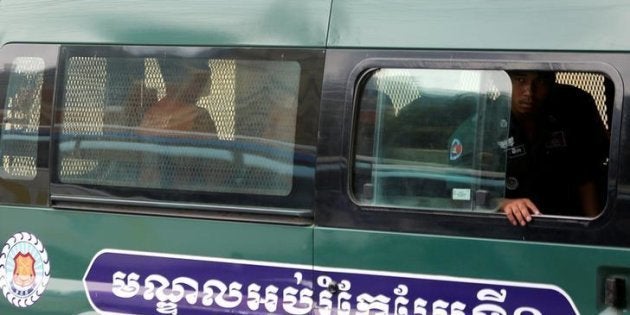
516,151
456,150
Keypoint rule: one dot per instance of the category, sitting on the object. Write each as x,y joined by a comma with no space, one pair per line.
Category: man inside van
177,121
556,151
185,80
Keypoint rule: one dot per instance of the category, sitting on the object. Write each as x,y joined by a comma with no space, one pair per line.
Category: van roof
563,25
482,24
161,22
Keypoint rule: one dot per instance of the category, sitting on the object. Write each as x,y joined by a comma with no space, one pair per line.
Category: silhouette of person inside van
177,124
556,151
185,80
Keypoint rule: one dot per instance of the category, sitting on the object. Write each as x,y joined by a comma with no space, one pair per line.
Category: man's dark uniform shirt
570,149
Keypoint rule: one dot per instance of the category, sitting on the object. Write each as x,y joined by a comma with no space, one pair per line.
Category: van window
21,119
206,126
408,151
444,140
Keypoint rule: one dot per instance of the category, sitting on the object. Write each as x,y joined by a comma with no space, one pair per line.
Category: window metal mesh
401,88
20,123
592,83
244,144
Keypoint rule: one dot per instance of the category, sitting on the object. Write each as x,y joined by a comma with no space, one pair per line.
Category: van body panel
71,246
217,23
336,254
574,255
486,24
472,258
70,234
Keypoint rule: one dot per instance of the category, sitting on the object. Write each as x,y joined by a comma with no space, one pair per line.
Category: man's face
529,91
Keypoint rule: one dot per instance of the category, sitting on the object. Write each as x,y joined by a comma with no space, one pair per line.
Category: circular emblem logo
24,269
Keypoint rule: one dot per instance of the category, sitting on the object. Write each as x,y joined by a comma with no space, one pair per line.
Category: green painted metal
481,24
575,269
72,238
162,22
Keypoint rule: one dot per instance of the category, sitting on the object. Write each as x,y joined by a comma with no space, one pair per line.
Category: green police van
308,157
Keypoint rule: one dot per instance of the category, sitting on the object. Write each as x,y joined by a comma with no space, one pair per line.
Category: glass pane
214,125
428,139
20,123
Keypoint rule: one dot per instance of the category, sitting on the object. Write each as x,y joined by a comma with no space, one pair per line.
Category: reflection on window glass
427,138
218,125
20,123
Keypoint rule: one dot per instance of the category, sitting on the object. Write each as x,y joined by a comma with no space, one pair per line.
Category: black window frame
337,209
296,207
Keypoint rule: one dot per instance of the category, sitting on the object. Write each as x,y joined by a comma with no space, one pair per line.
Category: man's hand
519,211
